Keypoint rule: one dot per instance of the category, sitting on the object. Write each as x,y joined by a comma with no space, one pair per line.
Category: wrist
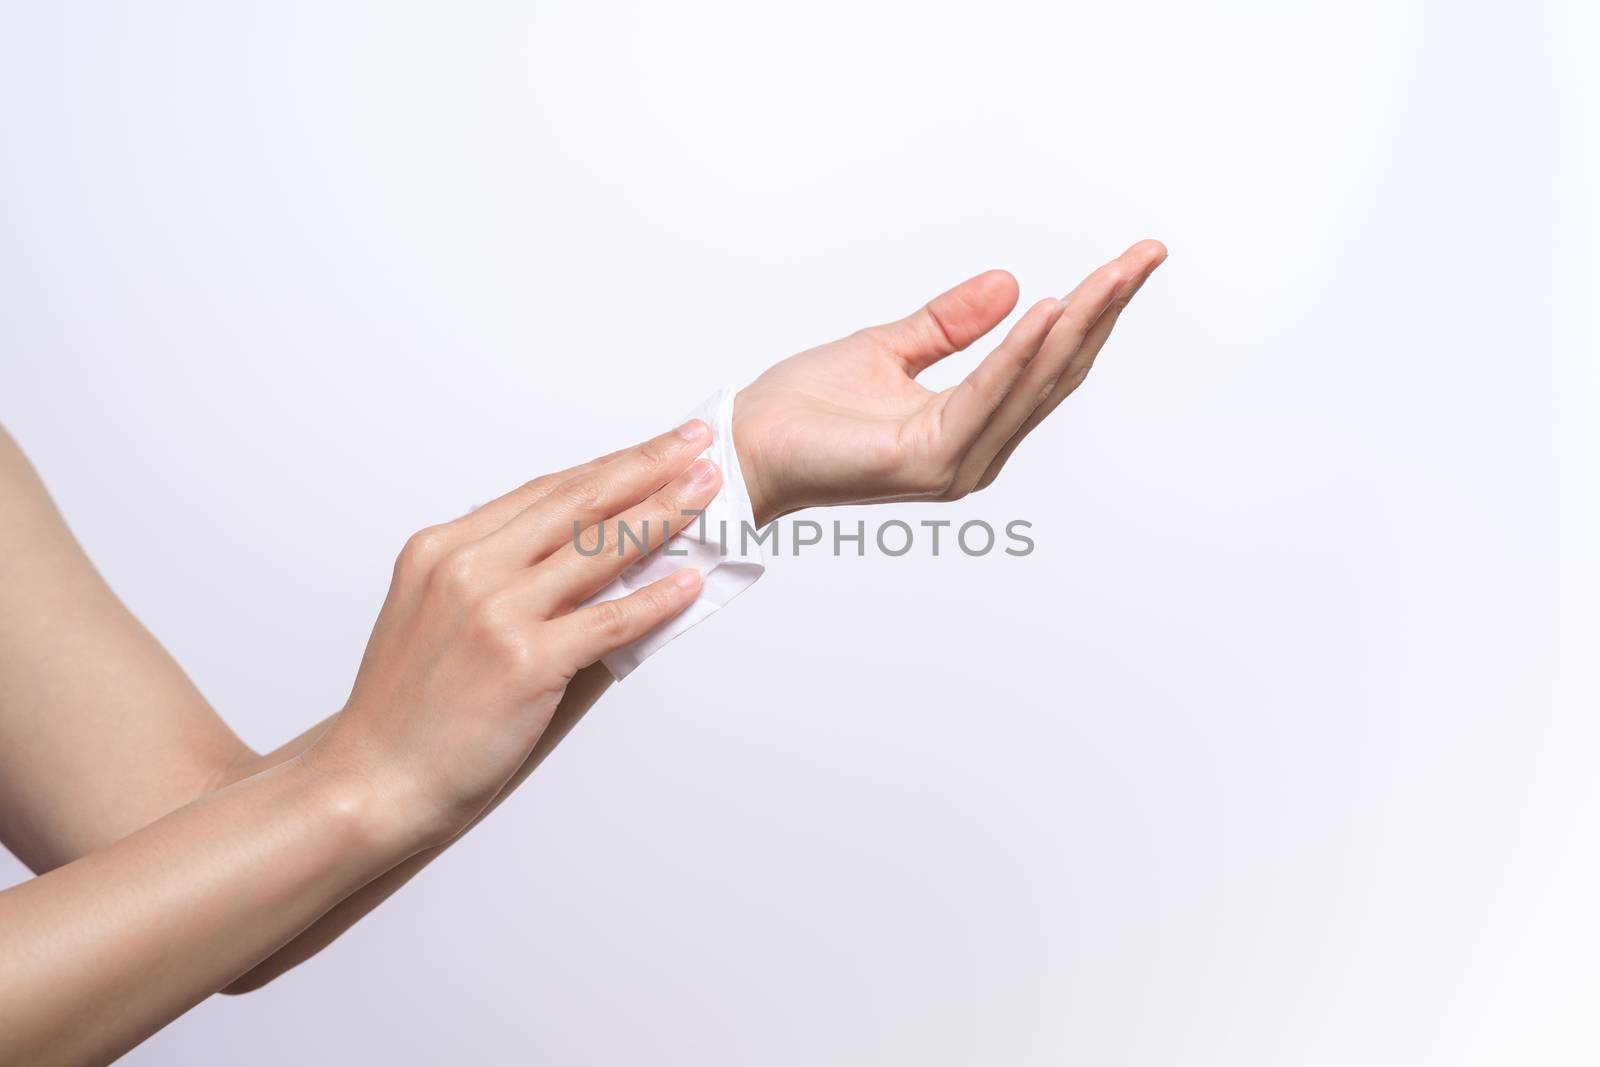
374,810
754,463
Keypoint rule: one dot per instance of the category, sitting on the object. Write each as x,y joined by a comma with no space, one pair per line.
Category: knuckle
654,514
671,500
938,329
659,602
1047,391
611,620
655,454
497,630
591,540
422,551
536,488
579,494
457,572
487,623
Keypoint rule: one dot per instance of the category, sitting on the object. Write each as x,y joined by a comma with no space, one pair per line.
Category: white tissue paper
719,545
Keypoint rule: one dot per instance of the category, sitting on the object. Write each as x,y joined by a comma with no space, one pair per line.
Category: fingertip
694,430
687,579
1149,251
1048,311
994,292
1001,279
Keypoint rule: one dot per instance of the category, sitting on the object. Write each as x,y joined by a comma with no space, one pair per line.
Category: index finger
484,519
596,493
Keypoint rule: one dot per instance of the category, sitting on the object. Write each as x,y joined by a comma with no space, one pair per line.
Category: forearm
586,688
128,766
146,928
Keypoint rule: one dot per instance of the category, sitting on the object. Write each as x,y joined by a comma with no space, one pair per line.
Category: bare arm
806,425
481,636
584,690
101,733
144,929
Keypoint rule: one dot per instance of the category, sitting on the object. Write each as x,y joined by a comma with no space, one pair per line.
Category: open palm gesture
847,422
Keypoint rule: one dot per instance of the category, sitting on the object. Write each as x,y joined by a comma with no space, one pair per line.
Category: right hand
482,630
849,423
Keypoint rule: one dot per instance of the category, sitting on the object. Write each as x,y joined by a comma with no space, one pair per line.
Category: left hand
847,423
485,626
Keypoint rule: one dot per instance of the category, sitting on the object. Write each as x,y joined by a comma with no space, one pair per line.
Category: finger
581,567
426,548
950,321
584,636
599,491
1073,377
486,518
972,403
1116,280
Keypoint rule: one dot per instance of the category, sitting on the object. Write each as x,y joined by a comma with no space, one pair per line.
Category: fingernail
702,470
687,578
692,430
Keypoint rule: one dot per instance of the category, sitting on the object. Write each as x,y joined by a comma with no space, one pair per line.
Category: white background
1281,748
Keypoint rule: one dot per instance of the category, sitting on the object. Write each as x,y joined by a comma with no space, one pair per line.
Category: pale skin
175,863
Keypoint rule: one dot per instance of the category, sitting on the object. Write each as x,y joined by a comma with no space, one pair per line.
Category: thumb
950,321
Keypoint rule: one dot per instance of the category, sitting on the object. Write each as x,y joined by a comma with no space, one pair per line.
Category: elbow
248,982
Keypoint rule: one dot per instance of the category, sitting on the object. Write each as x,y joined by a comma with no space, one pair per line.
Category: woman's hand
482,630
479,637
848,423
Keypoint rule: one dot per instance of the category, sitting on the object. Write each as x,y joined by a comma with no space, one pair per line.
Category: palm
847,422
832,419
